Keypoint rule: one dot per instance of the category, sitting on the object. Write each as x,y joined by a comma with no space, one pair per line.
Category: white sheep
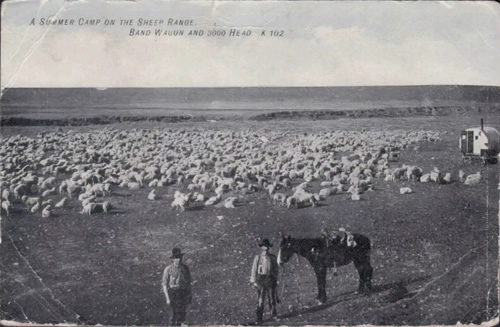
327,191
61,203
230,202
302,197
36,207
219,191
405,190
279,198
46,212
329,183
133,186
425,178
91,208
213,200
88,200
192,187
70,187
107,188
98,188
461,175
203,186
30,201
181,201
84,196
6,194
303,186
152,195
435,176
271,188
473,179
48,183
6,206
49,192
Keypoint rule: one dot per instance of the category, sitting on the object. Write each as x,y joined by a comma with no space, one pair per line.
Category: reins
297,278
296,251
283,284
283,275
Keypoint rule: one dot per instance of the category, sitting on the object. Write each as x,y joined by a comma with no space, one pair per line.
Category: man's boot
274,313
173,321
260,313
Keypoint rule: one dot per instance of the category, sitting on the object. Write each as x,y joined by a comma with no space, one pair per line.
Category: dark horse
322,255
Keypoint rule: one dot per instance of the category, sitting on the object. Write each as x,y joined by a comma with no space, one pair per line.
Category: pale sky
338,43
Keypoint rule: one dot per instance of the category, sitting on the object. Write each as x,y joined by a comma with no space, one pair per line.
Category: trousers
266,290
179,300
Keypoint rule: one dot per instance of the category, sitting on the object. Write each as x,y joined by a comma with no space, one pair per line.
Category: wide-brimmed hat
265,242
176,253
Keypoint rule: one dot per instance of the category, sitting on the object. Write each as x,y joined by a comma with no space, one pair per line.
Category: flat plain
435,251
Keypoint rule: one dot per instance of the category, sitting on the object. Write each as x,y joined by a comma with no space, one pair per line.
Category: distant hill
302,98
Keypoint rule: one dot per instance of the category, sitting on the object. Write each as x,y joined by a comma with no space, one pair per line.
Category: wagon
480,144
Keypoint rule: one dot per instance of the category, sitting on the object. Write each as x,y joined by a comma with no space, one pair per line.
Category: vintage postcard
249,162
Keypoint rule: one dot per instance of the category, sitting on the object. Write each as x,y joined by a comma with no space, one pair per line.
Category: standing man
176,284
264,278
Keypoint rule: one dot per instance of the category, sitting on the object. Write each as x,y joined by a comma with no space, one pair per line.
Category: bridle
289,247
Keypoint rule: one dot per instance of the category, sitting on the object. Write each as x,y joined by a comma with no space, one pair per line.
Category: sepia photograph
269,163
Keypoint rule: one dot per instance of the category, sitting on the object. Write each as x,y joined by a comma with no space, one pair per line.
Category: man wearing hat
264,278
176,284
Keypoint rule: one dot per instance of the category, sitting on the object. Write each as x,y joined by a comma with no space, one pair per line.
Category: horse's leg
368,279
368,271
362,273
365,270
320,271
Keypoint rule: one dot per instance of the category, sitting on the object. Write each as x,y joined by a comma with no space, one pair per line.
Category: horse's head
286,249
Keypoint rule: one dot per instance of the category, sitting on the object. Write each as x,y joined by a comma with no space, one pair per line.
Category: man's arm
164,283
253,275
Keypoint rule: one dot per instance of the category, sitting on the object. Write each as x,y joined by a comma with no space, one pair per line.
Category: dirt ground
435,252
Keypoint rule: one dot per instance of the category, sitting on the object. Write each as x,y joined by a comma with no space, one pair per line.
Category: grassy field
435,252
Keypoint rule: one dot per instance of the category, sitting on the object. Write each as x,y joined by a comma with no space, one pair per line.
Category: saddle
347,238
342,237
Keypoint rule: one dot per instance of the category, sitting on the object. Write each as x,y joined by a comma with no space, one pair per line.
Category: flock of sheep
208,167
